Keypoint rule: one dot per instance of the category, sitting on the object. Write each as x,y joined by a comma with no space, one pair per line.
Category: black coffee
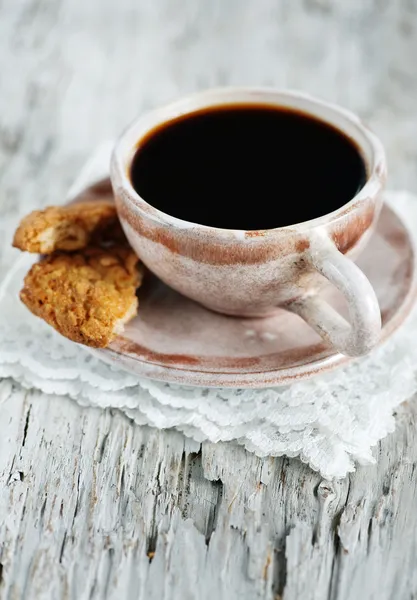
247,167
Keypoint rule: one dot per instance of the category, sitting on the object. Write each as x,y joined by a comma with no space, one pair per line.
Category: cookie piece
68,228
86,296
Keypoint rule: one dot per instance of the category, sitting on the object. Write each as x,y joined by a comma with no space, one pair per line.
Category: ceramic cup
251,273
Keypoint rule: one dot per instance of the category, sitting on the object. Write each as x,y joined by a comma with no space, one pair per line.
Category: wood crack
152,538
279,571
77,499
214,509
103,447
61,551
26,427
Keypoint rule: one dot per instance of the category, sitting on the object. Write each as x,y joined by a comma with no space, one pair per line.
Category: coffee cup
247,271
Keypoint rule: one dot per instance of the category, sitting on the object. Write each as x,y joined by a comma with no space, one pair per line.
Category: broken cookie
68,228
86,296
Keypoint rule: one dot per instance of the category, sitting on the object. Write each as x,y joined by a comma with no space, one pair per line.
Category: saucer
176,340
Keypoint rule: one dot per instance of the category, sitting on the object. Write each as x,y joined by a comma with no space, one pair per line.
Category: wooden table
92,506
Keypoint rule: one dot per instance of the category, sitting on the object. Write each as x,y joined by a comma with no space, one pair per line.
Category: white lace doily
329,422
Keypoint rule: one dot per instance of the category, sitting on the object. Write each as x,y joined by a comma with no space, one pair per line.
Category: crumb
86,296
69,227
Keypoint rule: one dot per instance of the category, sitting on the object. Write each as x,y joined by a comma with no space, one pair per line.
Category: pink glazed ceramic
250,273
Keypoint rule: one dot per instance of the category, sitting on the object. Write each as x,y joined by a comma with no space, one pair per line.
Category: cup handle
362,333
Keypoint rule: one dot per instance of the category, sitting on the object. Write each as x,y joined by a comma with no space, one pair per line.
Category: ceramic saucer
174,339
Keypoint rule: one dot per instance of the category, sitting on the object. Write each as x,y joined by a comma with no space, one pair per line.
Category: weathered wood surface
92,506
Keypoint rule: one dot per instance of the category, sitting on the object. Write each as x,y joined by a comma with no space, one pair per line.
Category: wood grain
92,506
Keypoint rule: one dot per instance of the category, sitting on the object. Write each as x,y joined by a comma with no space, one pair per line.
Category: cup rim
127,144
